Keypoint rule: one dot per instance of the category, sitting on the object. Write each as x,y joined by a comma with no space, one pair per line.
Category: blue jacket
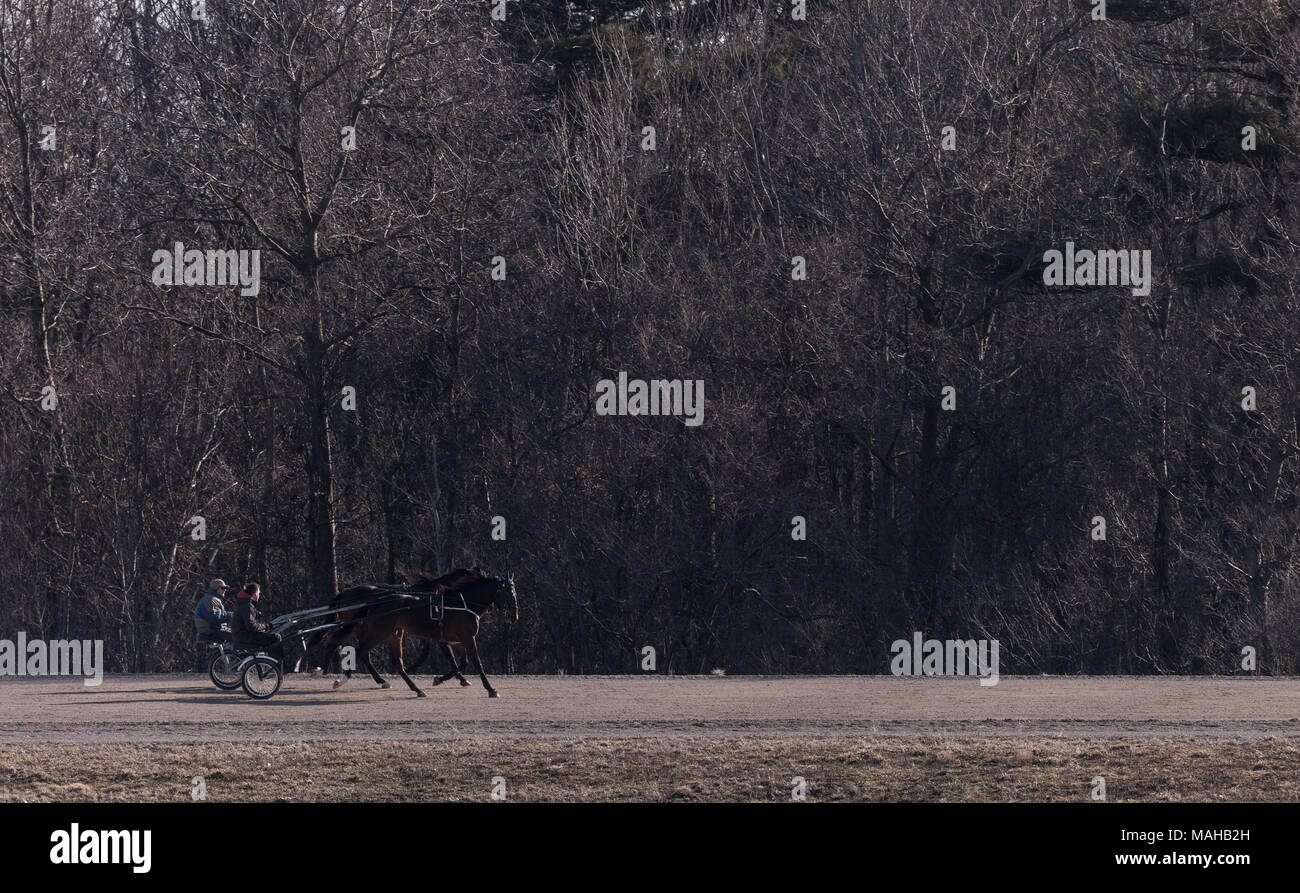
211,613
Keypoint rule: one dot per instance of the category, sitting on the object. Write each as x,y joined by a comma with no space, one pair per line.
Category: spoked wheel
224,670
262,678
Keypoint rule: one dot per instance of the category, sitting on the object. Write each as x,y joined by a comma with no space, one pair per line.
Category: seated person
251,631
211,615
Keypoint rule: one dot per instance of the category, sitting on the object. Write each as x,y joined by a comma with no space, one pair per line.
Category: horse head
507,598
493,592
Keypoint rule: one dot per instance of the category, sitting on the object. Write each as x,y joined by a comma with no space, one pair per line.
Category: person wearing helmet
210,614
250,630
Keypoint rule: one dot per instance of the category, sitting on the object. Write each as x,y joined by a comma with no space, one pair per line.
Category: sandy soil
188,709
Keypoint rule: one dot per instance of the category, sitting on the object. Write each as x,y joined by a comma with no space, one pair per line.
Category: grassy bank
678,769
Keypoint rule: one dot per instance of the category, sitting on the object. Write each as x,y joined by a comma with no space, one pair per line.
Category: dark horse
361,596
466,595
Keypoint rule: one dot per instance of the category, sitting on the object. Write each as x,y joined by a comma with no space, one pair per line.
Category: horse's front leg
471,647
455,669
457,663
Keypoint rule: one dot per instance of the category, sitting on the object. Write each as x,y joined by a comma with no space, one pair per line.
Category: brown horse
466,595
361,598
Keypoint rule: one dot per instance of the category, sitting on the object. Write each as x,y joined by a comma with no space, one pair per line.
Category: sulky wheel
224,670
262,678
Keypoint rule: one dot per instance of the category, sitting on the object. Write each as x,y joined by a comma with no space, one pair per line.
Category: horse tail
331,635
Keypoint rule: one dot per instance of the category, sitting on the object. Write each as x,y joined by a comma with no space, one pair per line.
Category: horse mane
452,581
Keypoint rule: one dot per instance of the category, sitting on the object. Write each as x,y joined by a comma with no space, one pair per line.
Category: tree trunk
320,473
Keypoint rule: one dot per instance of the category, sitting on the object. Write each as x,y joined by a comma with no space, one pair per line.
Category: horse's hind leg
364,648
333,645
395,646
303,663
471,647
315,670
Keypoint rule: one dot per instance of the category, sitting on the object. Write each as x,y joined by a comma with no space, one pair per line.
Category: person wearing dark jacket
249,630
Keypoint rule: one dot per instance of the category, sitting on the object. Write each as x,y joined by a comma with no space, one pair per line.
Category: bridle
507,584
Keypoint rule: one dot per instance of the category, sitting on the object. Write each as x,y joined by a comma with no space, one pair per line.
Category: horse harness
502,586
443,607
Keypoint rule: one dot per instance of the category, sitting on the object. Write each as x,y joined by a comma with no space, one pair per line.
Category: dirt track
188,709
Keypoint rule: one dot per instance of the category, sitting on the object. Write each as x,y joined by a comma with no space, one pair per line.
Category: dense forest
833,214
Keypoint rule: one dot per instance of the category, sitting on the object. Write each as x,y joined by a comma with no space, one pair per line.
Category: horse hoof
420,694
338,683
316,672
437,682
464,683
385,685
493,694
